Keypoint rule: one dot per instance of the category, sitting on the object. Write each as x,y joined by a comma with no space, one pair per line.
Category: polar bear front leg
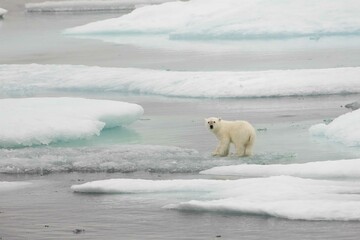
216,151
223,148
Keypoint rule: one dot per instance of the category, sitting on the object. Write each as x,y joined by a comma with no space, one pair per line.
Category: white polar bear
240,133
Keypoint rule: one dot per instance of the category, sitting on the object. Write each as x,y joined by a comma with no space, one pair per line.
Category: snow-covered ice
281,196
26,79
35,121
2,12
341,169
88,5
344,129
234,19
8,186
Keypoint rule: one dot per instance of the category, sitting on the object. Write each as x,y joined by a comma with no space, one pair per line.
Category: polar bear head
213,123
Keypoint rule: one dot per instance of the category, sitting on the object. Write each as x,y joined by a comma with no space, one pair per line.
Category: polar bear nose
211,126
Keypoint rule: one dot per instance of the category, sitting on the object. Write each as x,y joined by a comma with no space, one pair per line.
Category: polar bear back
237,131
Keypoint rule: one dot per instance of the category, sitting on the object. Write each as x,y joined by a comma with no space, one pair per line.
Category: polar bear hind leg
244,147
240,150
249,146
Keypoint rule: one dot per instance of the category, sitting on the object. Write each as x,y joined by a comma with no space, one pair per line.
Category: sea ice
318,170
344,129
234,19
25,79
147,186
88,5
281,196
35,121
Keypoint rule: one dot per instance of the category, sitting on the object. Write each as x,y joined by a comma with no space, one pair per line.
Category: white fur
241,133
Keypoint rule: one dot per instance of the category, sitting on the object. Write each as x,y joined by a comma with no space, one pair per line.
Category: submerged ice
281,196
234,19
36,121
24,80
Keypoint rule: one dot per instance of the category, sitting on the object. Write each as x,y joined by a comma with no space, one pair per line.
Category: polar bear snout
211,126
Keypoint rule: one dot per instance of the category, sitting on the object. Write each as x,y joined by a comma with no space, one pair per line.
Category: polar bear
241,133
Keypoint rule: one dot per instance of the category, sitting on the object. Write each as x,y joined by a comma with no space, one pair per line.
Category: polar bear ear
206,120
219,119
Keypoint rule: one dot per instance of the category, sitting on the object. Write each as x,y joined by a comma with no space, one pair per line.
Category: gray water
48,209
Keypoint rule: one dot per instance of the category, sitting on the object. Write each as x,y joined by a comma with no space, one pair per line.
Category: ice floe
344,129
88,5
36,121
8,186
234,19
24,80
339,169
281,196
147,186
